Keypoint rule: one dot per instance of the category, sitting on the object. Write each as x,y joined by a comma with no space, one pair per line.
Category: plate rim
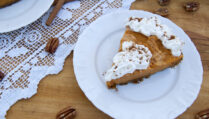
32,19
112,114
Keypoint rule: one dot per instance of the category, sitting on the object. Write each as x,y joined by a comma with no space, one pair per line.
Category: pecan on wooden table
203,114
191,6
66,113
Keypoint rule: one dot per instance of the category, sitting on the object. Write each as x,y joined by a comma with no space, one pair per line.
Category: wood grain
58,91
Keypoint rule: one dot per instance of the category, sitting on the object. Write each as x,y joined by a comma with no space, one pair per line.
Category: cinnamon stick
55,11
55,1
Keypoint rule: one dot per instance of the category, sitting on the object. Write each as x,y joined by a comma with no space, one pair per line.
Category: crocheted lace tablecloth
22,56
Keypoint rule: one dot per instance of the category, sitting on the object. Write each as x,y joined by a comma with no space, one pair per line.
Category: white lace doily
22,56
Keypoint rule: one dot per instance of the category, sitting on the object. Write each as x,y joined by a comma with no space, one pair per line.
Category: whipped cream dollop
132,57
152,26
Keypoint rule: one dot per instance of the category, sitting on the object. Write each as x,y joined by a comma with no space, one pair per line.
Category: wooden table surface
58,91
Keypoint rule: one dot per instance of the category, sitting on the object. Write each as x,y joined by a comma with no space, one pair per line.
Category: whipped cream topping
152,26
132,57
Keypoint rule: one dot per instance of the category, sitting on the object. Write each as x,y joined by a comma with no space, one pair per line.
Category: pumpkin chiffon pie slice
146,47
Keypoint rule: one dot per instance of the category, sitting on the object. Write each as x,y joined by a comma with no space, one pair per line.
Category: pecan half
163,2
1,75
162,12
191,6
52,45
66,113
203,114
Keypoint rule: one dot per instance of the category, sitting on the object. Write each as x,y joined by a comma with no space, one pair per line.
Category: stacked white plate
22,13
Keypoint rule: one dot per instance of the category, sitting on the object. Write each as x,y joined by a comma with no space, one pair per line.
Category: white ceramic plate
164,95
22,13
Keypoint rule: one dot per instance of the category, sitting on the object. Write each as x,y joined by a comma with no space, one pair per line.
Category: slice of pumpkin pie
146,47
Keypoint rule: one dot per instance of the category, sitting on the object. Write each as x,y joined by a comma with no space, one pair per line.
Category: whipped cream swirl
132,57
152,26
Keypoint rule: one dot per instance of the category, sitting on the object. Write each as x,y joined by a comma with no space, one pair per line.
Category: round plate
164,95
22,13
